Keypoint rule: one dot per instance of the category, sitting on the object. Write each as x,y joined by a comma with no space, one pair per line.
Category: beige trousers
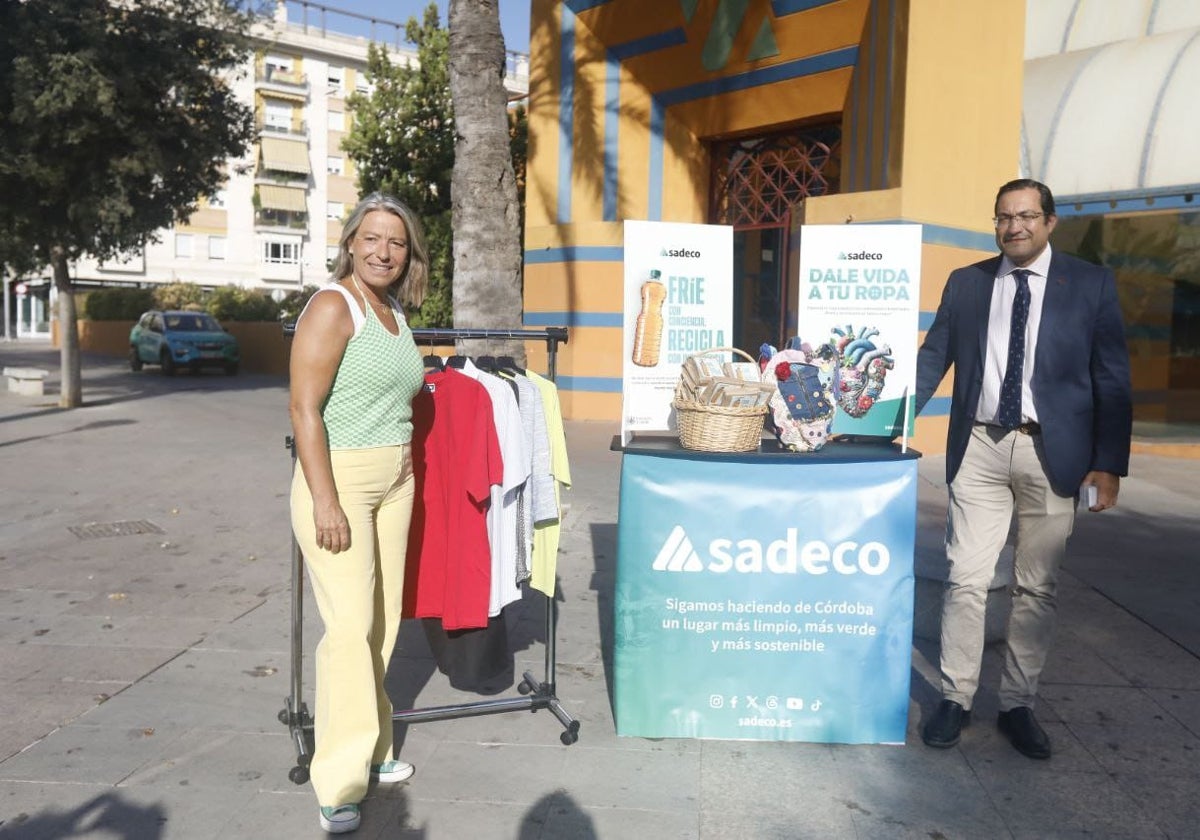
1001,474
359,593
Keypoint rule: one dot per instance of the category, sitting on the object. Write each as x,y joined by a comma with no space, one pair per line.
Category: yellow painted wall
952,111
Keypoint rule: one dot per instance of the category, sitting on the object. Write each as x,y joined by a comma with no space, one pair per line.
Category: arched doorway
757,184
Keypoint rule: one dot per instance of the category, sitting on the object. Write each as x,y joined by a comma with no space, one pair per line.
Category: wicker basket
715,428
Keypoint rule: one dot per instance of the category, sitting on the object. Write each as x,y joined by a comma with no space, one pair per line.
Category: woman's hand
333,529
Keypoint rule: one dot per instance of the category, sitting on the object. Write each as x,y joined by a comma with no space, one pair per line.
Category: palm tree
487,256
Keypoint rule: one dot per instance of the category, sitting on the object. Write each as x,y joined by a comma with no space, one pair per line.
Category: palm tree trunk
485,213
71,395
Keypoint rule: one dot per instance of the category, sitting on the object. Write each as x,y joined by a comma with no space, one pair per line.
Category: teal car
179,338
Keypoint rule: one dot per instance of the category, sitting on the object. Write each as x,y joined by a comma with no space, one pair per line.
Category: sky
514,17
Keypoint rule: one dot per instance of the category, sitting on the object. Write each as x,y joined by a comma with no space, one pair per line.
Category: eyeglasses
1005,219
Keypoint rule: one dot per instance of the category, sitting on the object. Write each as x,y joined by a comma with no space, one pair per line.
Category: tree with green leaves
402,142
115,118
486,213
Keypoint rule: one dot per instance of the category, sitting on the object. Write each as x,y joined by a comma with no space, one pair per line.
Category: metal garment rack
535,694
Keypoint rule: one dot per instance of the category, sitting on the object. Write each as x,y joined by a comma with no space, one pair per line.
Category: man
1041,408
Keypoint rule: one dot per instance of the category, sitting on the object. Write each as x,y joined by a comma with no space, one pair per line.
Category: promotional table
765,595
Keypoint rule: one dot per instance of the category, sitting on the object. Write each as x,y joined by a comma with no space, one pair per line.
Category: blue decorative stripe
578,6
612,135
601,384
925,320
951,237
658,115
566,114
872,63
575,253
808,66
574,319
650,43
1148,332
1181,197
791,7
936,407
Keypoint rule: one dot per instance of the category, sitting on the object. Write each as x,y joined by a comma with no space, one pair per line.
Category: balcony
292,129
282,81
270,219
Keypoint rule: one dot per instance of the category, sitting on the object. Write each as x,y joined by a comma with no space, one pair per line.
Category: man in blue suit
1041,411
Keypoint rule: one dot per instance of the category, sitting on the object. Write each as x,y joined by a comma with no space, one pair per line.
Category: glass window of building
216,247
335,165
335,210
337,121
277,115
279,252
1156,259
184,245
336,78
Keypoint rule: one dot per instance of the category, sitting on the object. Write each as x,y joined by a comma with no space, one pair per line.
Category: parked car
179,338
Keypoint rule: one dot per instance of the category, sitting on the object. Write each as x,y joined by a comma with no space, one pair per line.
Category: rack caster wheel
569,737
283,716
298,775
524,687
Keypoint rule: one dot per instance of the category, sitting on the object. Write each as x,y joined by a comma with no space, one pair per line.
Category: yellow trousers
359,594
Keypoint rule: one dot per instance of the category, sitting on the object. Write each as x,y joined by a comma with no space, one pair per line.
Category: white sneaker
341,819
391,771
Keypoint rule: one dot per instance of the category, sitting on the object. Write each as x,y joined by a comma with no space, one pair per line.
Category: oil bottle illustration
647,336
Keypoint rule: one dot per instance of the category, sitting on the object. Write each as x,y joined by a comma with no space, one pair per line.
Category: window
362,84
332,252
218,199
216,247
337,121
335,210
276,63
337,80
335,165
277,115
183,245
281,253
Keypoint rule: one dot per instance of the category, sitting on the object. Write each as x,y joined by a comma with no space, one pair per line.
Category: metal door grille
757,181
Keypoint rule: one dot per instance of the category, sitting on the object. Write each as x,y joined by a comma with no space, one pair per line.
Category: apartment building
276,223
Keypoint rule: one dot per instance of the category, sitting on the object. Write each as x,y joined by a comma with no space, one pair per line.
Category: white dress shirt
999,321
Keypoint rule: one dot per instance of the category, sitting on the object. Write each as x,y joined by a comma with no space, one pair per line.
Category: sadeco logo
782,557
680,252
860,255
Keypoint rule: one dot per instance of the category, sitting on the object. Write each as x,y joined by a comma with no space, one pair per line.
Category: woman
354,372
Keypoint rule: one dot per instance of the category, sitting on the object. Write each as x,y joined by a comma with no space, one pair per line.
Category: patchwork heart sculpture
862,368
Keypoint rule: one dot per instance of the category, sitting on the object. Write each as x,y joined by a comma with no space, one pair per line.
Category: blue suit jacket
1080,374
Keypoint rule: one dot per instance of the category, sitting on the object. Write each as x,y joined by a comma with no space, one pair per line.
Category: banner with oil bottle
860,294
678,302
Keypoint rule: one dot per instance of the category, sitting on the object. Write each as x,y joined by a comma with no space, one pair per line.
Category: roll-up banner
859,292
678,302
764,600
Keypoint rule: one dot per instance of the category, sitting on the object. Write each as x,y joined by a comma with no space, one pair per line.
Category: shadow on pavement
107,814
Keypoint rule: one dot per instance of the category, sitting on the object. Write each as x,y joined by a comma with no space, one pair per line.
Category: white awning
285,155
1110,119
281,198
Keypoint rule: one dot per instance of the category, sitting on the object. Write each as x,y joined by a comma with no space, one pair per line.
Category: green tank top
370,403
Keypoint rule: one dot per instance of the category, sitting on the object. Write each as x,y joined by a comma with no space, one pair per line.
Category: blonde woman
354,372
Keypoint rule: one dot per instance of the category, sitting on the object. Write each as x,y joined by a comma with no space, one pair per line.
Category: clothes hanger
507,364
457,362
433,363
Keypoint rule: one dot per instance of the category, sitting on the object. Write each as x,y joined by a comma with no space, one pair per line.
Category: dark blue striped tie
1010,391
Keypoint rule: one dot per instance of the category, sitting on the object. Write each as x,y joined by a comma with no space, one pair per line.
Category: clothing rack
535,694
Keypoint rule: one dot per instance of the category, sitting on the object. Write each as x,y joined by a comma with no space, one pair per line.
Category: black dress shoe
1022,729
944,728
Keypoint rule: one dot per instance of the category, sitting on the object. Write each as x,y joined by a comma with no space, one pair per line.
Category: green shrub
117,304
232,303
293,304
180,296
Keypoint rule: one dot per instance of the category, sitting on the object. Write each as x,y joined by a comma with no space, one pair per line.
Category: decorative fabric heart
862,368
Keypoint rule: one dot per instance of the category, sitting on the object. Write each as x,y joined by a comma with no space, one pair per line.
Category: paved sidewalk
143,670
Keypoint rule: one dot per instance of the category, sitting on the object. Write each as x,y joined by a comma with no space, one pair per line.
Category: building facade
276,223
767,114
